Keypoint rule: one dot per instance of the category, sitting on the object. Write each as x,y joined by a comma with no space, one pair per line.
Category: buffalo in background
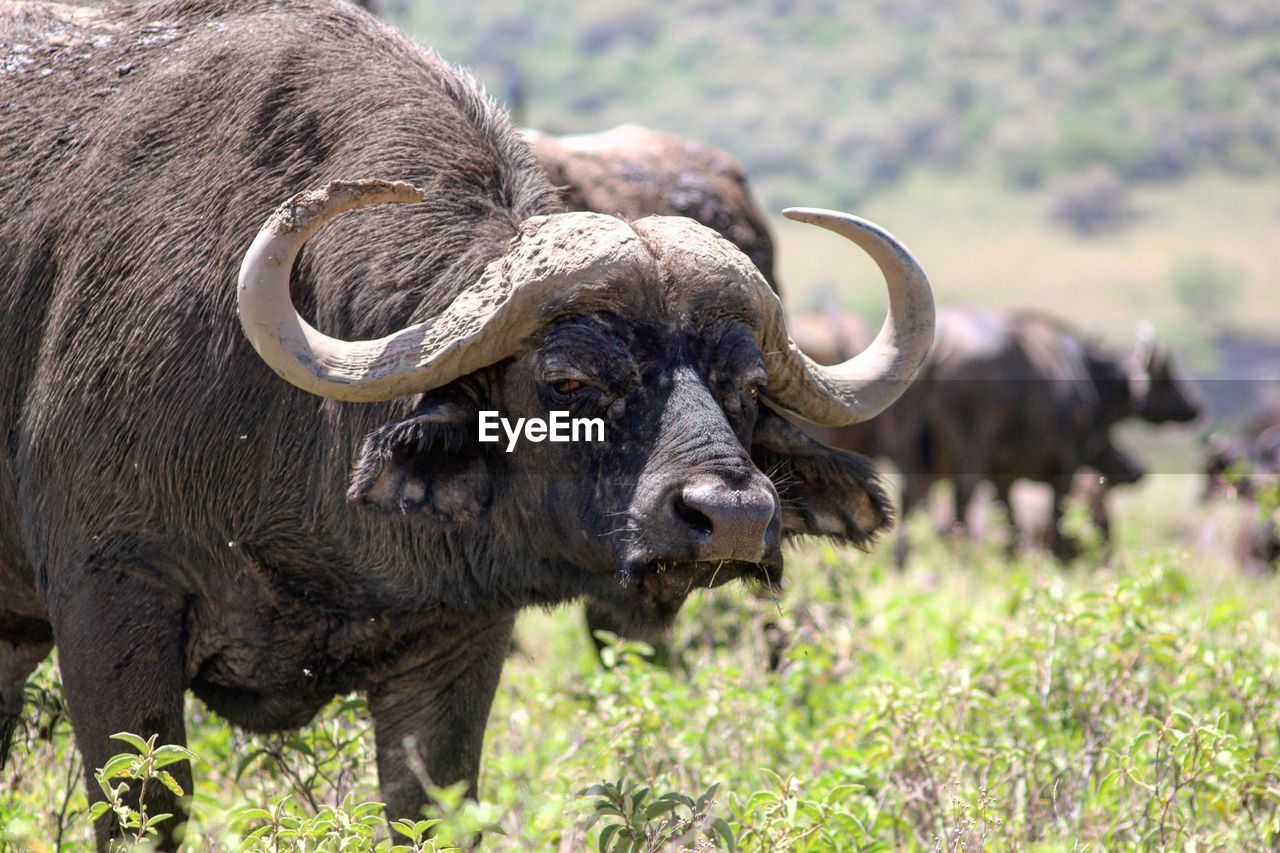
1241,465
1006,396
1245,469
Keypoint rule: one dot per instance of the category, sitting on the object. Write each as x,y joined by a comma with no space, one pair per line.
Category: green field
970,701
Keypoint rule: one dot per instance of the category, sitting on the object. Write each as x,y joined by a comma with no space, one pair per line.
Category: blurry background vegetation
1108,161
836,101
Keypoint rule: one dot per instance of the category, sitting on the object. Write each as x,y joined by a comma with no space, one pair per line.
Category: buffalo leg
1099,514
1004,499
429,715
120,651
23,644
966,485
915,494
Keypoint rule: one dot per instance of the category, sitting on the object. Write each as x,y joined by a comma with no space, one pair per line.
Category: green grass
969,701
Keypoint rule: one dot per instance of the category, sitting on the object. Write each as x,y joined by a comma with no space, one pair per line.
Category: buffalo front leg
120,652
1100,515
24,643
1004,500
429,714
966,486
914,495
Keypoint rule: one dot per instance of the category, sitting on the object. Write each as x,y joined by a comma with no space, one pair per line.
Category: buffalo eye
565,387
740,397
577,394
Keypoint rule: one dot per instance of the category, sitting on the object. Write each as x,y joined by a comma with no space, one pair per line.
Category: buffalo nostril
693,517
732,523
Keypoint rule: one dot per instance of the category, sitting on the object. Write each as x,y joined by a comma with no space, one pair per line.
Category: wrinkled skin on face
680,407
678,496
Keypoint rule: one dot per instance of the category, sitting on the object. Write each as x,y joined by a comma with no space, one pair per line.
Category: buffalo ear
823,491
428,462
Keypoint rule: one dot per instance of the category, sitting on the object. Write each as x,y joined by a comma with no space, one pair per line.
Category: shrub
1206,288
1091,202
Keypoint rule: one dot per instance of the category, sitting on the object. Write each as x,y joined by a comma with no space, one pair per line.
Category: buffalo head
1160,393
661,329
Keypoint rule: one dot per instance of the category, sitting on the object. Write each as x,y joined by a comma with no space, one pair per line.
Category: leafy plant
146,768
634,823
1206,288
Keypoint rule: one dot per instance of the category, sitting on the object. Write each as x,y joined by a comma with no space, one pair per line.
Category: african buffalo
1257,541
174,516
633,172
1008,396
1246,467
1240,466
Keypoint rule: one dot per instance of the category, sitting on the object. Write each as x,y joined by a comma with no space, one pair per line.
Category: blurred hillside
834,101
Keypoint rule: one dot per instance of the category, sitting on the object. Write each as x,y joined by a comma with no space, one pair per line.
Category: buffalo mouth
668,582
652,592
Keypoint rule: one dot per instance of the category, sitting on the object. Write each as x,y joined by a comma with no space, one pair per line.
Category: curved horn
485,323
865,385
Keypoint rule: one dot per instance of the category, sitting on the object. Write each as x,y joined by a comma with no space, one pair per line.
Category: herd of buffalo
203,490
